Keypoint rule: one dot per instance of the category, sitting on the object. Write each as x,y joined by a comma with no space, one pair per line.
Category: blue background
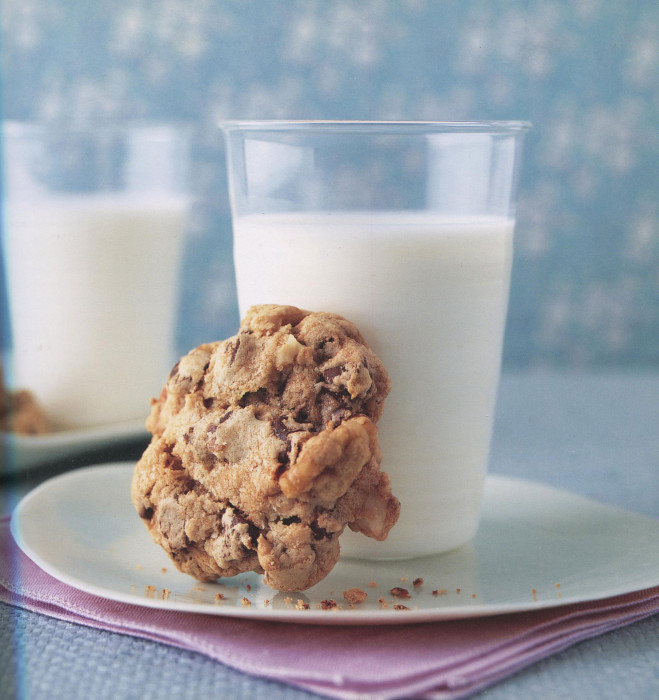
585,285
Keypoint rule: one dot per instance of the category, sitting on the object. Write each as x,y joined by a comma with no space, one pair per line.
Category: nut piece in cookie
265,448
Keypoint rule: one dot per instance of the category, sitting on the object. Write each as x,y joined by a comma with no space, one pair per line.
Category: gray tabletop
596,434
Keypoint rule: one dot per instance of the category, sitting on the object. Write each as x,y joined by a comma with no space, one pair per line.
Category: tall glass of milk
406,229
92,232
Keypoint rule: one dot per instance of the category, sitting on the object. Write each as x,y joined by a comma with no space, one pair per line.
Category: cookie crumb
404,578
328,604
219,596
534,593
164,594
473,595
372,584
355,595
149,591
399,606
398,592
440,591
246,602
288,600
383,603
458,590
248,587
266,602
418,582
164,569
301,605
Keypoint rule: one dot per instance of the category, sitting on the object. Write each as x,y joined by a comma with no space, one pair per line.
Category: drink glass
93,220
405,229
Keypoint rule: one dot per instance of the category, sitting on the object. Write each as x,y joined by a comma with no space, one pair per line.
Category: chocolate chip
279,429
146,513
211,428
319,532
253,533
171,461
226,416
174,369
291,520
237,519
331,372
208,403
333,405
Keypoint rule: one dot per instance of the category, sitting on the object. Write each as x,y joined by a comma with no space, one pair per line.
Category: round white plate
22,452
537,547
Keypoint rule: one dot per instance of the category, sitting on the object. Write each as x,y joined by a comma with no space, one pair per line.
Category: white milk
92,284
430,296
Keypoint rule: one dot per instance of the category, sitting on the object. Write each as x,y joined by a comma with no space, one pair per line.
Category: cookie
265,448
21,413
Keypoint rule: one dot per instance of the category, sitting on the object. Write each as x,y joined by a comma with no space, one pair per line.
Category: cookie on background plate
265,448
20,412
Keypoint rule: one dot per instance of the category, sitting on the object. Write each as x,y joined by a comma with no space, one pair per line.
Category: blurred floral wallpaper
586,272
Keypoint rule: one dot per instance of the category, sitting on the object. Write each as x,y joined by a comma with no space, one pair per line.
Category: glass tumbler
93,220
405,229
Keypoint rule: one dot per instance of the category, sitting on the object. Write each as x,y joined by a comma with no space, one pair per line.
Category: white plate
26,451
537,547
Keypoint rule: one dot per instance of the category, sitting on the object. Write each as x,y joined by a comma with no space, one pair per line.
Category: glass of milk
406,229
92,234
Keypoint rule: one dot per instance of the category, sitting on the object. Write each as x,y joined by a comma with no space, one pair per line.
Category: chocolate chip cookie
20,412
265,448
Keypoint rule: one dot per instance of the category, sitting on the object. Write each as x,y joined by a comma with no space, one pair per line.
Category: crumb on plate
355,595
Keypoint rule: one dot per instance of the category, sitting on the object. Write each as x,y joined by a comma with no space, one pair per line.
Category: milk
430,295
92,285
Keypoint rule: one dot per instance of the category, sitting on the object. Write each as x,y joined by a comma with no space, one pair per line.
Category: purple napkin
435,660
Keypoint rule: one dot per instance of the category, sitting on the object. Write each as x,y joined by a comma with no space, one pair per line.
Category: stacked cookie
265,448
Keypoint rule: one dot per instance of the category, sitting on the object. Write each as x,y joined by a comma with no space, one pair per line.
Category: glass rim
374,126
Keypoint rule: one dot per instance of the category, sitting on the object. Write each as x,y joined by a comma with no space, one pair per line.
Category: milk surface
430,296
92,284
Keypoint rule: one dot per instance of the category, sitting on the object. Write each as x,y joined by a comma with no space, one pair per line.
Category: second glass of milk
93,226
406,229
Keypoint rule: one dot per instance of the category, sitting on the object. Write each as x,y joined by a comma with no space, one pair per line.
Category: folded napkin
434,660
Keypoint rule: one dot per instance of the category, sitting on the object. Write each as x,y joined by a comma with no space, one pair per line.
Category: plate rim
345,617
118,429
25,452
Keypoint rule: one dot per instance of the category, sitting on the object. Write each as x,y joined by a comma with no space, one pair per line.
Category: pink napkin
435,660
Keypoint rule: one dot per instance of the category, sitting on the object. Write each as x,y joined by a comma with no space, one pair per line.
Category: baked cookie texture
265,448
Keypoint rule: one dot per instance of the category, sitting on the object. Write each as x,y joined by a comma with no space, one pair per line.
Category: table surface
593,433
